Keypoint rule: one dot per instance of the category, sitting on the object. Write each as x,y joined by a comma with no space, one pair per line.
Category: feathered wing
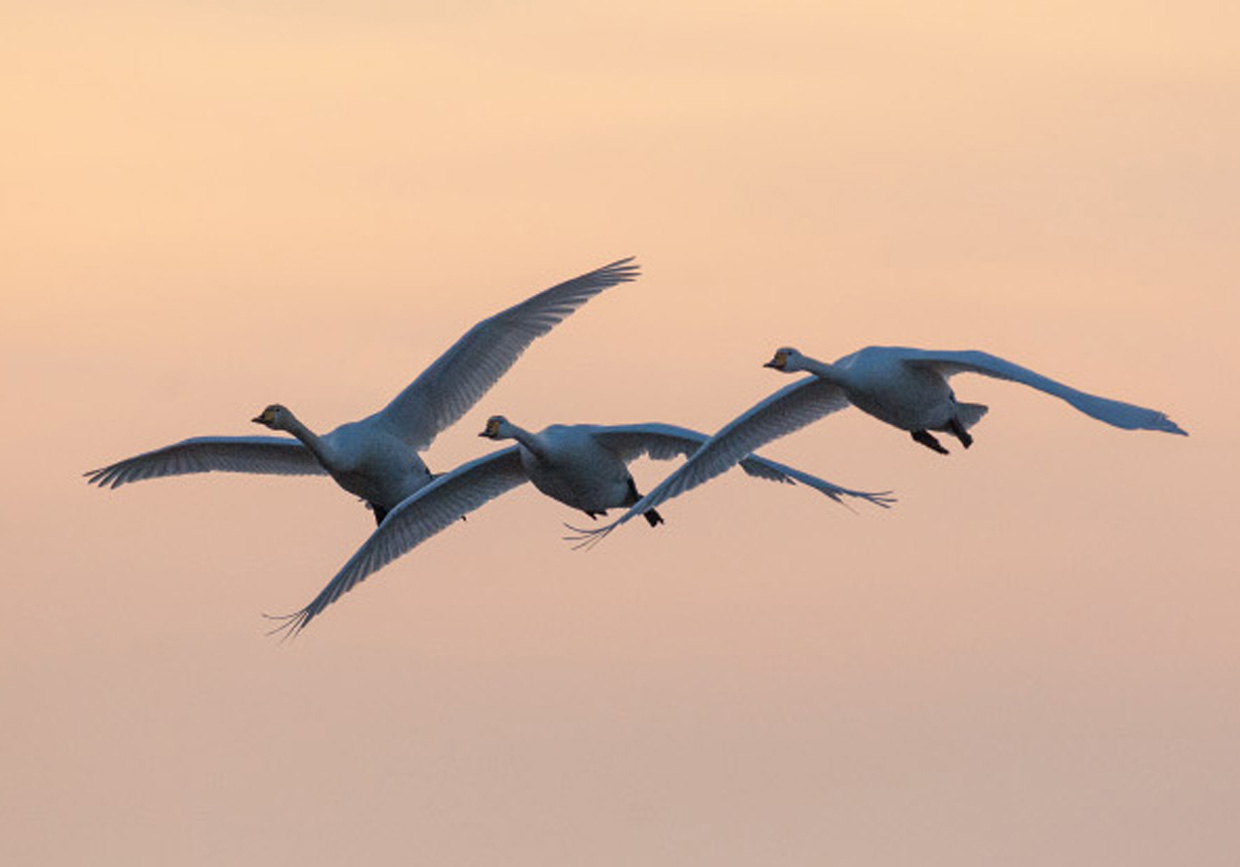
422,515
265,455
665,442
461,376
787,410
1113,412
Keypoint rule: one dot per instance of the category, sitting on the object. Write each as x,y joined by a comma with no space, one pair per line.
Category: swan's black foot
380,513
594,515
957,430
652,517
927,439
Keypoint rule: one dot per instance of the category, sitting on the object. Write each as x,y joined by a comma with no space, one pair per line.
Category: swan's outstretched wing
461,376
1113,412
269,455
416,519
666,441
787,410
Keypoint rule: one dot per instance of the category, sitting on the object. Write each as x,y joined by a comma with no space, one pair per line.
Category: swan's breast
574,469
908,396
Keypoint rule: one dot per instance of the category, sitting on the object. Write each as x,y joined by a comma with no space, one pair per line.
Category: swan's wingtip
581,537
290,625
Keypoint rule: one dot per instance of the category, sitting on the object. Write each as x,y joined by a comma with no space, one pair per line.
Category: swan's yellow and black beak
266,417
492,429
779,362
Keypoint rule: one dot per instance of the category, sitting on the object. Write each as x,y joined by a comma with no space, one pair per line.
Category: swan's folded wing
787,410
665,442
1113,412
419,517
461,376
264,455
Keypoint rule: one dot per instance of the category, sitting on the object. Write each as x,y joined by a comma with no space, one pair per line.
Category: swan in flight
907,388
583,466
376,458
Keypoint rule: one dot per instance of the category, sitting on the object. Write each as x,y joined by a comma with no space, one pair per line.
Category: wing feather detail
784,412
459,378
426,513
263,455
1114,412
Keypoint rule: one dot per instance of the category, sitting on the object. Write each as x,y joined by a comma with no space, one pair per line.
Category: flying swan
583,466
376,458
907,388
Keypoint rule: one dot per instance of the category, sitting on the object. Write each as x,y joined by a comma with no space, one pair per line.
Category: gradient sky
1032,660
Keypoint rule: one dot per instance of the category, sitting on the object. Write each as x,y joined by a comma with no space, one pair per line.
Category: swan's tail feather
969,414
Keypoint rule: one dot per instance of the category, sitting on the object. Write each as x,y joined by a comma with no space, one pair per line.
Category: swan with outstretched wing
907,388
376,458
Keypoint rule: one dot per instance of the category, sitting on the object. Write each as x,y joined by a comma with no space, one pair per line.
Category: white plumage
583,466
376,458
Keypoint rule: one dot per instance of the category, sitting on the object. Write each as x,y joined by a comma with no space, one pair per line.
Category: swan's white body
569,463
582,466
907,388
376,458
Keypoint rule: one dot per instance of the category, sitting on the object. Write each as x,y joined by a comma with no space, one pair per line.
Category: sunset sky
1033,659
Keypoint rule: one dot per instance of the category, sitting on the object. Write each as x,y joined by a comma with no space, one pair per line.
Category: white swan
583,466
376,458
906,388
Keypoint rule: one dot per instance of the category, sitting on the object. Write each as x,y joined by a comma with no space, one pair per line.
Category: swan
584,466
907,388
376,458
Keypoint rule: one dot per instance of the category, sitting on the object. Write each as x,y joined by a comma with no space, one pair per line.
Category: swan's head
275,417
787,360
495,427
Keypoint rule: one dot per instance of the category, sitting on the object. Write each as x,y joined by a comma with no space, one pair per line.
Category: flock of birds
585,466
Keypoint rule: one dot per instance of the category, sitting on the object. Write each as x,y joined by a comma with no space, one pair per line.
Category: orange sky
1031,660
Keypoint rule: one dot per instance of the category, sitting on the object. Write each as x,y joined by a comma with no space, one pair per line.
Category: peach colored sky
1032,660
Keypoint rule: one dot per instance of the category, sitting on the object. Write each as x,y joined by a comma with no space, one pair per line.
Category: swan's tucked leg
653,518
380,513
927,439
957,429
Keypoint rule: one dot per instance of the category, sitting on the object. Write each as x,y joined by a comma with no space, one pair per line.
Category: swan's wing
787,410
268,455
666,441
416,519
1113,412
461,376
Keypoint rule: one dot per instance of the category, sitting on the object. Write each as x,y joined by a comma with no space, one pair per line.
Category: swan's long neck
521,435
308,438
823,370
